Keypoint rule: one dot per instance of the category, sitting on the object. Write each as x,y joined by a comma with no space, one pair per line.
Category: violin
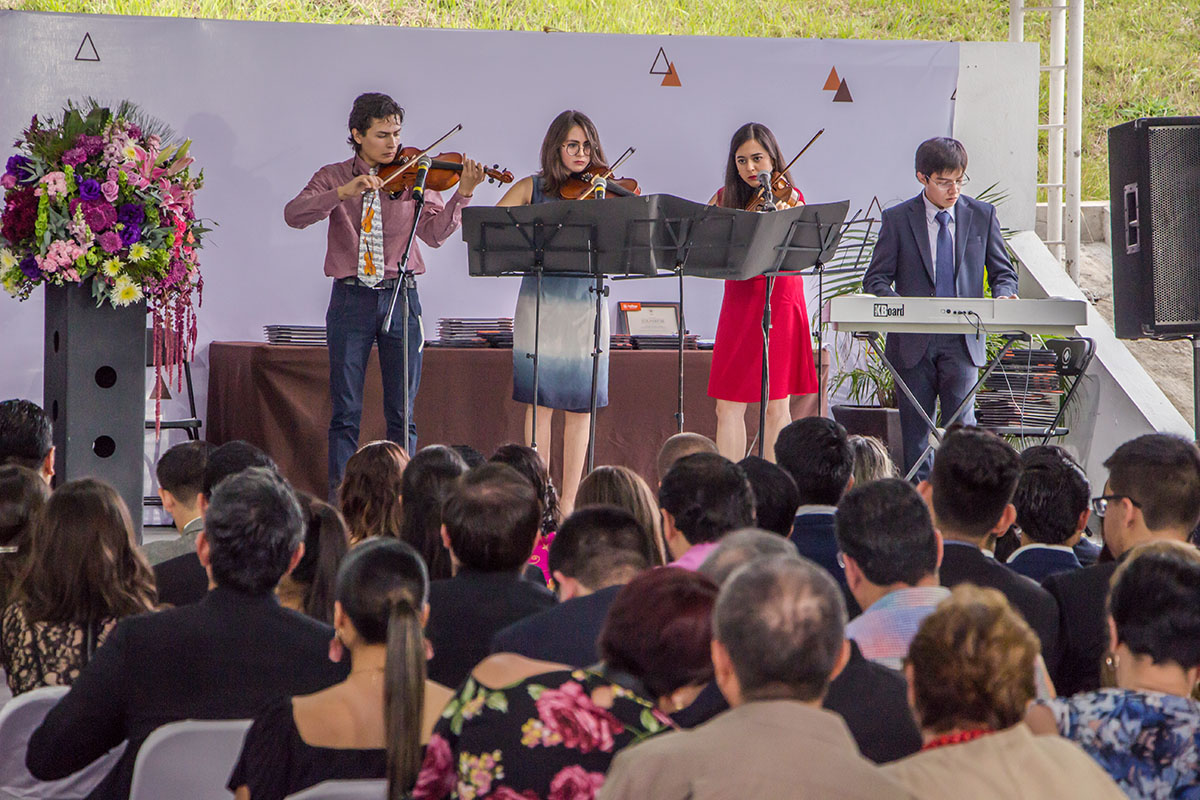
444,172
782,189
586,184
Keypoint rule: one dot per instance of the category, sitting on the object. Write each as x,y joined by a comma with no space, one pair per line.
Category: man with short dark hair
222,658
702,497
1152,493
180,473
26,437
595,552
776,497
490,522
777,640
970,492
680,445
891,553
1052,513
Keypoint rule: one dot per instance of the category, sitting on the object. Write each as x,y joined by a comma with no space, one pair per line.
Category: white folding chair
18,719
344,790
191,759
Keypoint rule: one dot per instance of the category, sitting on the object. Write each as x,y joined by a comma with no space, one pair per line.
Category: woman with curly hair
370,492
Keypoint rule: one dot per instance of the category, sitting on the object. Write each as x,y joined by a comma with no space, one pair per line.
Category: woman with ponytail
373,724
309,587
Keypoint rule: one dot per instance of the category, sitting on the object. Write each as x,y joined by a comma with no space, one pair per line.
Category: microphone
600,185
423,165
764,183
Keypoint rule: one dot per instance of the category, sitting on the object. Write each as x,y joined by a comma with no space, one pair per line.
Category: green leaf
497,702
535,690
649,721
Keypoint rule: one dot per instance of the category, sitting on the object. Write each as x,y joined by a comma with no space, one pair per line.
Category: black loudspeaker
1154,194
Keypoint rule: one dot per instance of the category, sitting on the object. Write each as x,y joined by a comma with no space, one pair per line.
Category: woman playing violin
736,376
368,229
568,312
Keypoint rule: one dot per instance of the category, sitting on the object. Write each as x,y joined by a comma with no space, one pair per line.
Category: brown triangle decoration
87,50
843,94
672,77
833,81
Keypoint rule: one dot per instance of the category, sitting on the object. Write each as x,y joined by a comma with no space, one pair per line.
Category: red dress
736,373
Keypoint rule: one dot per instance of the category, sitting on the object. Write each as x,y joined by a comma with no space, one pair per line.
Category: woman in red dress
736,376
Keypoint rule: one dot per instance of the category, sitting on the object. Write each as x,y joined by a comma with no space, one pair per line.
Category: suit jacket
814,536
565,633
222,658
767,748
1039,563
902,266
965,563
1082,596
466,611
181,580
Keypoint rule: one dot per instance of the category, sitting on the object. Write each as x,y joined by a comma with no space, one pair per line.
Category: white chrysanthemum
7,259
112,267
125,291
138,251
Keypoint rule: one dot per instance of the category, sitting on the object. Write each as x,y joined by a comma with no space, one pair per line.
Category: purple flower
135,131
110,242
131,214
19,166
99,215
89,189
91,145
30,268
130,234
74,157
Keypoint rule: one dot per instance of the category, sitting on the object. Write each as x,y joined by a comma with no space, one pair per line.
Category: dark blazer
1087,553
902,265
222,658
1082,596
1040,563
181,581
466,611
965,563
870,697
565,633
814,536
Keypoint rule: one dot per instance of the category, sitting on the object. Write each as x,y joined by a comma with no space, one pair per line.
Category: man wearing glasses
938,244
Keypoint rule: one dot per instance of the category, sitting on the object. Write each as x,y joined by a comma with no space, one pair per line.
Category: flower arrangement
105,194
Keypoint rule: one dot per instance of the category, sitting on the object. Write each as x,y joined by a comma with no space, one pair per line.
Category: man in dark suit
596,551
1052,512
1152,493
970,491
182,580
489,524
938,244
222,658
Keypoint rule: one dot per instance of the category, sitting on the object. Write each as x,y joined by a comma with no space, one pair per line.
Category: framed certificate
649,319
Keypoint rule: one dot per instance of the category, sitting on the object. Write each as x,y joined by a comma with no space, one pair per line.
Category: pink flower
582,724
110,242
112,174
437,775
575,783
54,184
110,190
74,157
8,181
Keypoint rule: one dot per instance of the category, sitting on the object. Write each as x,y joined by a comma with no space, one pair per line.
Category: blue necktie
944,263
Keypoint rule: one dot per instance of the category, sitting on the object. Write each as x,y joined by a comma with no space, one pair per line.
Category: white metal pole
1054,130
1074,135
1016,20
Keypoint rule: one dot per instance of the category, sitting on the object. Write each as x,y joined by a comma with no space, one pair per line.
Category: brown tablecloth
277,397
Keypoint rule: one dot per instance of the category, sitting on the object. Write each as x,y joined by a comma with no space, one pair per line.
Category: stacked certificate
473,332
690,342
308,335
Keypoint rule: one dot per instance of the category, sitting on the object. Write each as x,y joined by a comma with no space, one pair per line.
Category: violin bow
624,157
784,171
413,161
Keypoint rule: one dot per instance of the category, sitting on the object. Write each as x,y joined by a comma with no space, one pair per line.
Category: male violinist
368,229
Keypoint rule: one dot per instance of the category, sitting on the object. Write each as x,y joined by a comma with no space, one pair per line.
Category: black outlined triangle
954,96
666,63
85,47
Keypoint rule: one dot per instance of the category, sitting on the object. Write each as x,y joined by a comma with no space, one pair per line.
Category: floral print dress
549,737
1149,742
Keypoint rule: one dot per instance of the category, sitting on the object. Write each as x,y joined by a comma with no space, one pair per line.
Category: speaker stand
1195,383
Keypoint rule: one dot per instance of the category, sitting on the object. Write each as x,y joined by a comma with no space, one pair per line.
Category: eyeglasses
841,559
1100,504
573,148
942,183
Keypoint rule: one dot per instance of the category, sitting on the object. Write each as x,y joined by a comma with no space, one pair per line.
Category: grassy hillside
1143,56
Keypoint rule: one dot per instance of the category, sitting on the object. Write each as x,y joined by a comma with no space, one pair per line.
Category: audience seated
969,490
1051,500
872,461
1152,493
22,495
372,724
309,588
597,551
1087,551
520,728
815,451
180,474
222,658
183,580
702,497
871,699
1145,731
776,497
84,573
678,446
891,554
526,461
777,639
624,488
26,438
369,495
971,672
426,484
490,522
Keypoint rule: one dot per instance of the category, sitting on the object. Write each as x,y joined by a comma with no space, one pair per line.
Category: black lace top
44,653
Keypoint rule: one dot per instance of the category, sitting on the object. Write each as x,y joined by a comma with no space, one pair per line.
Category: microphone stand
764,181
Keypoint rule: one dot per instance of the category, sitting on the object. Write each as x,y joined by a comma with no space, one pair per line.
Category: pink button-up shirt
319,200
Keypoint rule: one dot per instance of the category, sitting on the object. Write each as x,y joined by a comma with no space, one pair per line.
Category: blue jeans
945,372
352,326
